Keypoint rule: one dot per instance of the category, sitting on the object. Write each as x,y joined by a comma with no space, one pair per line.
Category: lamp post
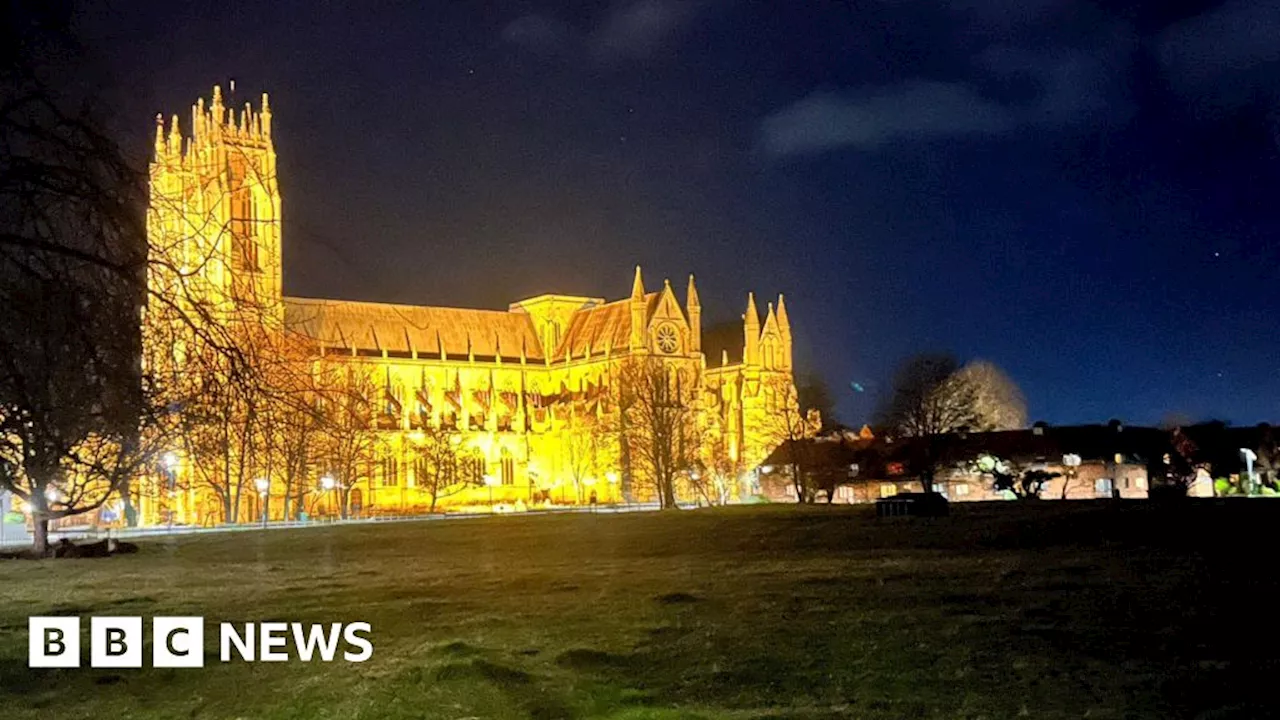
327,483
612,478
264,488
1070,461
1249,457
490,481
169,462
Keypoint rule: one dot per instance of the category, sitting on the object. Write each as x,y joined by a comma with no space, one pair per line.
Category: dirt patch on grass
500,675
586,659
457,648
678,598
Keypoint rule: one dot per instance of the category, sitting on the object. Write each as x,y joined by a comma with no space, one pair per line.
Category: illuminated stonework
514,384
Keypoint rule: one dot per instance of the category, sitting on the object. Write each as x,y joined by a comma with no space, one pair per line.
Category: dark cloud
1225,57
1050,85
913,110
637,30
630,31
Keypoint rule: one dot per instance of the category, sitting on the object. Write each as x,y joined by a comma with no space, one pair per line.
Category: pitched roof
1091,442
403,328
596,327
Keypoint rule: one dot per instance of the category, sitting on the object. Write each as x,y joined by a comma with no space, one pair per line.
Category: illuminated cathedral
509,385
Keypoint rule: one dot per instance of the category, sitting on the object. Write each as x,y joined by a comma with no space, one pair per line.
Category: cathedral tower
214,209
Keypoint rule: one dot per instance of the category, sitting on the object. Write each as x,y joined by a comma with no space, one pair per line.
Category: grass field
1050,611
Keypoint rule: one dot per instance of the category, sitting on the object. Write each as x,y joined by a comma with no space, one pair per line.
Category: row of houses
1081,462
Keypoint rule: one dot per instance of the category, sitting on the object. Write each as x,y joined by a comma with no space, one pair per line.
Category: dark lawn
1050,611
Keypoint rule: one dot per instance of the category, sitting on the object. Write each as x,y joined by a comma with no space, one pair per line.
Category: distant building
1092,461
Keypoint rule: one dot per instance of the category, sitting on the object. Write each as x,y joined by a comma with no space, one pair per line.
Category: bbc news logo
178,642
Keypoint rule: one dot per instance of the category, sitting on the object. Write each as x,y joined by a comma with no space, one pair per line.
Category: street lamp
1249,457
264,487
612,478
169,462
490,481
327,484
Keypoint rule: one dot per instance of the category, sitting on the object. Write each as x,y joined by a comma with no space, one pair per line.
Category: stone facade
511,384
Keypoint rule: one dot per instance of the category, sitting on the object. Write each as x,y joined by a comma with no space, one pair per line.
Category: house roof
1090,442
405,328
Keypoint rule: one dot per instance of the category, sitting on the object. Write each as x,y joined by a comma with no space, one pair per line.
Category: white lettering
272,635
349,634
228,636
307,643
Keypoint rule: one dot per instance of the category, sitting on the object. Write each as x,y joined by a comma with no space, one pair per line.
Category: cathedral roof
404,328
595,328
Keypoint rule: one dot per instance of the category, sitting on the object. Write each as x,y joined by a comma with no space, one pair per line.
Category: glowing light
612,477
327,482
169,460
490,480
263,485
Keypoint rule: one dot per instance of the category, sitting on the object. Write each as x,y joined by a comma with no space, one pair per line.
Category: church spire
175,137
160,148
636,340
265,114
694,307
784,329
751,332
769,349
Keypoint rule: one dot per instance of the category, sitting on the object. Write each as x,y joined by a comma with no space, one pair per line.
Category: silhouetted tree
1024,483
78,416
812,393
929,399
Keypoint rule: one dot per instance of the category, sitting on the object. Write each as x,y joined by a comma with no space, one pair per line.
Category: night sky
1087,194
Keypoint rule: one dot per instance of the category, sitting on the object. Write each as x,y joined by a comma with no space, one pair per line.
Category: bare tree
75,421
718,466
812,393
437,462
350,441
788,425
78,417
929,400
225,421
998,403
657,401
589,447
292,422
